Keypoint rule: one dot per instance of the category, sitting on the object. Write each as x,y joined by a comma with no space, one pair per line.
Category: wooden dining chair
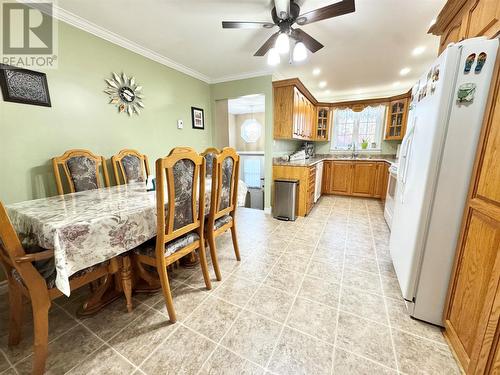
180,175
223,202
130,165
31,274
81,169
209,154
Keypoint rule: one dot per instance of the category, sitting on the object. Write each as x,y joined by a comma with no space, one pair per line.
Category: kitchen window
358,127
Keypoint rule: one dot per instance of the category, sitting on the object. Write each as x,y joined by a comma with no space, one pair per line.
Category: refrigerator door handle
407,151
404,151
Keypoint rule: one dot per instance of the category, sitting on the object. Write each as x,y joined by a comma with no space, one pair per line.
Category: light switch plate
180,124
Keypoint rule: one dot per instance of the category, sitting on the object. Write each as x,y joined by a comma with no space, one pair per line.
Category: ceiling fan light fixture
282,44
273,57
299,52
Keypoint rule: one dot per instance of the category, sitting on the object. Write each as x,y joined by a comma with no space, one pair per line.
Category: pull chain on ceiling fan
285,14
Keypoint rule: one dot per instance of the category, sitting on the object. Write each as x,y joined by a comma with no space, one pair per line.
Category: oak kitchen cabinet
323,123
340,178
397,117
307,179
294,114
462,19
355,178
298,115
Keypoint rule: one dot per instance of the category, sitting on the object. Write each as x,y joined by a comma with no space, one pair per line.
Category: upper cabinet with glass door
396,120
323,124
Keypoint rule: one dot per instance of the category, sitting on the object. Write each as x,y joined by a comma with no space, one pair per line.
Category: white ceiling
247,104
363,54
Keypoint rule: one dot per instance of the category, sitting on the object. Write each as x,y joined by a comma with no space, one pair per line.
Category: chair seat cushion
221,221
47,269
149,248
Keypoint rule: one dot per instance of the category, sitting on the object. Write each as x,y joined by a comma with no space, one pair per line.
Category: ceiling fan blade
311,44
330,11
267,45
282,8
246,25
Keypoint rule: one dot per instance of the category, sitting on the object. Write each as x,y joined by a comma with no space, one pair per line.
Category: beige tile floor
316,296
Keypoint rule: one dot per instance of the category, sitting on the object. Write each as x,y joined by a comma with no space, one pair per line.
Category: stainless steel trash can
285,198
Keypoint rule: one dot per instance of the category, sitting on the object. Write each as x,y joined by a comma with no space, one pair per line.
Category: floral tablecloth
89,227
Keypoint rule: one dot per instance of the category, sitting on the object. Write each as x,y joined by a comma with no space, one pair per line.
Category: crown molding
103,33
236,77
365,96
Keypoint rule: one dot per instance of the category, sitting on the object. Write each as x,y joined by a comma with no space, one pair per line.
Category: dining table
89,227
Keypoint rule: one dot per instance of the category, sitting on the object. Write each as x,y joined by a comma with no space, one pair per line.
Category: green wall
80,116
258,85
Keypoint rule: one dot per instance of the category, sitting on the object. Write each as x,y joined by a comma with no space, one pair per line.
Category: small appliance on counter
298,155
310,150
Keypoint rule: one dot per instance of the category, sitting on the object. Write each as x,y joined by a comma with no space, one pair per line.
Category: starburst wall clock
125,94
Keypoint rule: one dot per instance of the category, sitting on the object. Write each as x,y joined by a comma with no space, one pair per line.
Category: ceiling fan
285,14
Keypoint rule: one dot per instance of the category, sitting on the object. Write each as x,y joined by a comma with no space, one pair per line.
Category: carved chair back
225,176
130,165
180,191
81,170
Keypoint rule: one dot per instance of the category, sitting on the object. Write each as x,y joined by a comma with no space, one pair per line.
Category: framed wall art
198,118
125,93
24,86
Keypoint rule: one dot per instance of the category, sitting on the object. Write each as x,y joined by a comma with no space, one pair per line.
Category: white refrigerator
435,166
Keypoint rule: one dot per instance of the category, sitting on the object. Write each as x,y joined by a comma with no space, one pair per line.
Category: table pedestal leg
104,294
144,281
126,274
190,260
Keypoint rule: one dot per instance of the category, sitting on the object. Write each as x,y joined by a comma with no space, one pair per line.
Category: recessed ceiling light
404,71
432,22
316,71
322,84
418,50
326,92
397,83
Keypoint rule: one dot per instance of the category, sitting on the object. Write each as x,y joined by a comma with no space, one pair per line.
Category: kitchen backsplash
286,147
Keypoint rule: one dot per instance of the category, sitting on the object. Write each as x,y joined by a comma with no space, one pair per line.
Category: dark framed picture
198,118
24,86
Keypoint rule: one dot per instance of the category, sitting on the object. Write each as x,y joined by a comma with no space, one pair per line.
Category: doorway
240,124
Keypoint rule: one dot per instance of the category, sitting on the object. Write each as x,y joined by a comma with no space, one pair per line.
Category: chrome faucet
353,149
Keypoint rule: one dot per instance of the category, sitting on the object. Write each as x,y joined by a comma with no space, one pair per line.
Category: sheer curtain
355,127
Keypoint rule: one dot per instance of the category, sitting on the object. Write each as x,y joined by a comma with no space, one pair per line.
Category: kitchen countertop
343,157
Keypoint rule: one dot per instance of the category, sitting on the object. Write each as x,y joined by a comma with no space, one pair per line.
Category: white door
419,161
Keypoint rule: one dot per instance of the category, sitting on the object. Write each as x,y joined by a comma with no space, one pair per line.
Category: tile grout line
340,289
217,345
104,344
11,365
385,302
14,364
243,308
185,319
292,304
148,308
